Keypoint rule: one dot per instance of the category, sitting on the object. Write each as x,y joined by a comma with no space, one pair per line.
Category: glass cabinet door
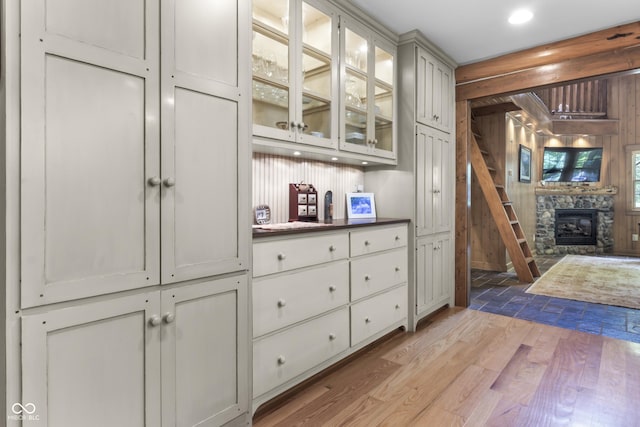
368,68
270,65
294,71
383,100
355,92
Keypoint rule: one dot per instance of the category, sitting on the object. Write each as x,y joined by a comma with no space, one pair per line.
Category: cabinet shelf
268,31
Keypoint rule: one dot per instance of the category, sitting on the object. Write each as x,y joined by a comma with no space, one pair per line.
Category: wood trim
589,127
583,67
463,215
586,45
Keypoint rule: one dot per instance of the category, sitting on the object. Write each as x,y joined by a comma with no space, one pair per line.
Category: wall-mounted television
571,164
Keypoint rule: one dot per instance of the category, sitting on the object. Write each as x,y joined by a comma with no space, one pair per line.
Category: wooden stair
503,213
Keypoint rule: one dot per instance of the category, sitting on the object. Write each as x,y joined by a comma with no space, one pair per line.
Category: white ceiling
473,30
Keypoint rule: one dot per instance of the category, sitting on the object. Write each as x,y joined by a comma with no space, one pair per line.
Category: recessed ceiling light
297,153
520,16
335,159
365,163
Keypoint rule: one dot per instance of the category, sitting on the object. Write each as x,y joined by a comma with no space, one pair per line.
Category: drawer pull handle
367,320
281,360
332,248
332,337
332,288
282,303
155,320
367,278
282,257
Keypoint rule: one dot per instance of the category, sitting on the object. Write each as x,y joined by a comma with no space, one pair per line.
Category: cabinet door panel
93,363
89,141
434,274
204,353
205,134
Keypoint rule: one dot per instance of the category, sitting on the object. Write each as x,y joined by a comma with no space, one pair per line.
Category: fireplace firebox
576,226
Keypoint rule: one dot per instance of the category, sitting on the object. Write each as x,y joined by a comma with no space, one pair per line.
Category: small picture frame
361,205
524,174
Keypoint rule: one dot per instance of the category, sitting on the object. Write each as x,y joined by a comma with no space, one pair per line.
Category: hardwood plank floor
470,368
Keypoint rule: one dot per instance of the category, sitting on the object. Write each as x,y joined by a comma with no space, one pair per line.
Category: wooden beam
463,215
561,72
585,127
587,45
495,109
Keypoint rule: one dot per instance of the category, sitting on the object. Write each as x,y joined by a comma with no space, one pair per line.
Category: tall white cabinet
129,293
421,187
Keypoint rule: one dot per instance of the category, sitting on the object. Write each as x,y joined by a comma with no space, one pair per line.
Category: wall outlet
634,237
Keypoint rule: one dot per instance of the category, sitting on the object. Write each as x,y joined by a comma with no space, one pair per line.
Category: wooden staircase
503,212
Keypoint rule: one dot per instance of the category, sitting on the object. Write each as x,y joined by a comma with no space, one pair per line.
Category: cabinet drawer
279,301
281,255
377,239
373,315
285,355
378,272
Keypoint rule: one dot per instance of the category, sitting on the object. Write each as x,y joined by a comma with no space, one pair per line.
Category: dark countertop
336,224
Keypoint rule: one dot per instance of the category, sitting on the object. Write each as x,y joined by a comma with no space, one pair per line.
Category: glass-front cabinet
295,71
367,92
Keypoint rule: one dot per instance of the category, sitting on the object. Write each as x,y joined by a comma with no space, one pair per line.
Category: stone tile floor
502,293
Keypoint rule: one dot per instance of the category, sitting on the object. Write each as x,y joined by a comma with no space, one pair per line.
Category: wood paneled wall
272,175
624,104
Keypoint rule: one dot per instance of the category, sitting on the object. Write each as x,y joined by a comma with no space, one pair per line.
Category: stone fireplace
569,223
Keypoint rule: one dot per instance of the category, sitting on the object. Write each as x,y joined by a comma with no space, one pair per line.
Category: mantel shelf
576,189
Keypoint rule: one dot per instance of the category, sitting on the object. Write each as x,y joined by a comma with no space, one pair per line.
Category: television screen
571,164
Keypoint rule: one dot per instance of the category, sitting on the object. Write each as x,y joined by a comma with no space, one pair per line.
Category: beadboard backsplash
272,175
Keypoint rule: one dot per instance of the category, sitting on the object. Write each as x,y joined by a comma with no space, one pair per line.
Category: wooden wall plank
463,192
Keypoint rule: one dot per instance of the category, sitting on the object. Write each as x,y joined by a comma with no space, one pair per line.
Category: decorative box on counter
303,202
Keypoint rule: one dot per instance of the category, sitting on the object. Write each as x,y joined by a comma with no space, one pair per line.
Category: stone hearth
546,206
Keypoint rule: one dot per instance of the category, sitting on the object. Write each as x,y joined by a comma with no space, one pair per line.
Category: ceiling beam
585,127
619,37
619,60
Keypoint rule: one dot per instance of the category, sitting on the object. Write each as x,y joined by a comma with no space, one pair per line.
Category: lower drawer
287,354
370,316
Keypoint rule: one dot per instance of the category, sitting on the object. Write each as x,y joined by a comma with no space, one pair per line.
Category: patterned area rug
603,280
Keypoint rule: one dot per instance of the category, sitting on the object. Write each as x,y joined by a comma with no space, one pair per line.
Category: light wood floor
469,368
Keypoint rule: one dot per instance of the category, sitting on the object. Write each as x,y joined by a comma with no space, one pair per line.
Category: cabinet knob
435,248
366,243
332,288
282,257
294,125
367,320
332,248
375,141
367,277
169,317
154,181
282,302
397,269
154,320
397,306
332,337
397,238
169,182
281,360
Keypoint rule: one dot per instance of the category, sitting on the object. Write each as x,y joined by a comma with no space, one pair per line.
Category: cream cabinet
434,96
133,221
295,73
321,295
148,356
434,180
421,187
104,206
367,92
434,273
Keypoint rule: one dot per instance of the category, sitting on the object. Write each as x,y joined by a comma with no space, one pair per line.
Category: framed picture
525,164
361,205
